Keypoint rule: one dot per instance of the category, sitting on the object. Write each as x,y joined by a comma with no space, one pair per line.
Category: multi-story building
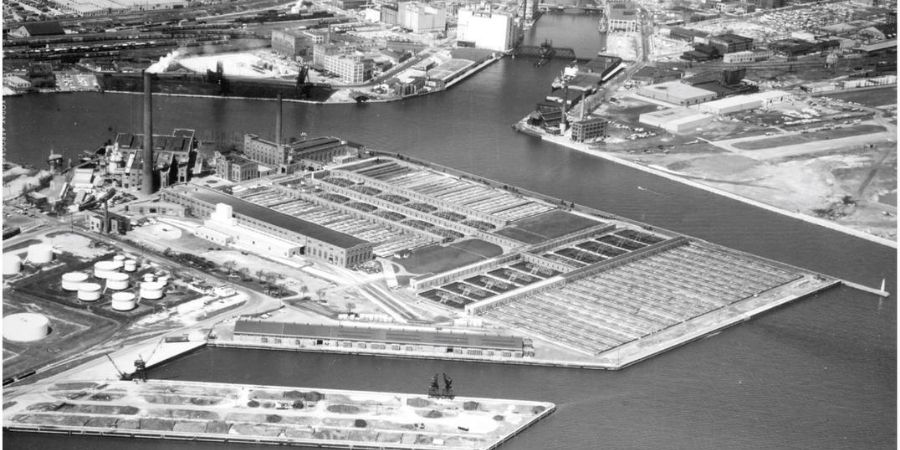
622,17
421,18
174,159
350,4
341,61
235,167
587,129
747,56
486,29
390,14
292,43
730,43
265,152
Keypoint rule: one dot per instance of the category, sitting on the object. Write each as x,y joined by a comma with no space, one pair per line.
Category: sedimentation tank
25,327
72,280
89,292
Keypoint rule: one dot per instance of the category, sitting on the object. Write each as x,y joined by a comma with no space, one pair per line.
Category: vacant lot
781,141
436,258
869,97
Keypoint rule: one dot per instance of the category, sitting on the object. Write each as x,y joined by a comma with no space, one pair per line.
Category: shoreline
469,72
675,176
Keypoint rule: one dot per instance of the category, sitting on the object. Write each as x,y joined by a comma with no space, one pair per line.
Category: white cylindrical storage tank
123,301
223,211
117,281
25,327
89,292
40,253
72,280
117,263
149,277
152,290
130,265
12,264
102,269
163,279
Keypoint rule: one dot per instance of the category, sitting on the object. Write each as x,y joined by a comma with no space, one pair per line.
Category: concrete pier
269,414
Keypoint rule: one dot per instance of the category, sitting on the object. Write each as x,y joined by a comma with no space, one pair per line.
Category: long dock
219,412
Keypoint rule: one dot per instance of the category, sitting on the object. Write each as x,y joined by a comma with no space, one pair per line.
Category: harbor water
819,373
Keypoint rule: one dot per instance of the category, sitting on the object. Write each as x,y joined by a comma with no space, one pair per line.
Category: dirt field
436,258
869,97
781,141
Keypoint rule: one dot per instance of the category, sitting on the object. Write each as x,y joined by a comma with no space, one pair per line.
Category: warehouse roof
677,89
280,220
386,335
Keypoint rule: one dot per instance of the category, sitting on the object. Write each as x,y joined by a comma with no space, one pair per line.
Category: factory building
292,43
420,18
341,61
235,167
738,103
587,129
309,239
100,222
730,43
677,93
747,56
38,29
771,4
405,340
293,156
676,120
622,17
174,158
485,29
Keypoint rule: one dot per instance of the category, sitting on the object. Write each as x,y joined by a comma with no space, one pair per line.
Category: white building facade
485,29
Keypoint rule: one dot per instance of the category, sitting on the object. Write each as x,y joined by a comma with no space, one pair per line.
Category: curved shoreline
675,176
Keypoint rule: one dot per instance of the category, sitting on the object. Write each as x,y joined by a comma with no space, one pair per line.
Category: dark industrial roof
386,335
160,142
732,38
315,144
43,28
275,218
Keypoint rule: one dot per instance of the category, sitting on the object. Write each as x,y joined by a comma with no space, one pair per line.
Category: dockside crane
122,375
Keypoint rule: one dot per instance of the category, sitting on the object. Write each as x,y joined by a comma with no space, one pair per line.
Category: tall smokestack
278,123
147,182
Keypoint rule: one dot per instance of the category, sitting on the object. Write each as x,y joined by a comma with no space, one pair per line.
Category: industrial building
746,56
174,159
485,29
295,155
312,240
421,18
677,93
292,43
341,61
235,167
108,222
587,129
738,103
676,120
379,340
730,43
38,29
622,17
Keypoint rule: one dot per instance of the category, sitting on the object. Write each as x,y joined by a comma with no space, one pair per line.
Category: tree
350,307
229,266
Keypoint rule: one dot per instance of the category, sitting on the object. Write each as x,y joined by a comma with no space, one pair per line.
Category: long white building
421,18
486,29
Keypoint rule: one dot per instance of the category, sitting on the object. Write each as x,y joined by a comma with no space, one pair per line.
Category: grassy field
782,141
436,258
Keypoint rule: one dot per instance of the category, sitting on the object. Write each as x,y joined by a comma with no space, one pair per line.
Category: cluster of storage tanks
37,254
114,274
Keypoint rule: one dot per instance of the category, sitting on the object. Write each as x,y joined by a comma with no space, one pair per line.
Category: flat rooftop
386,335
280,220
674,114
677,89
543,227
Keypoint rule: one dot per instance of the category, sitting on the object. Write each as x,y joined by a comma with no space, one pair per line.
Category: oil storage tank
40,253
12,264
102,269
25,327
72,280
130,265
89,292
117,281
152,290
123,301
